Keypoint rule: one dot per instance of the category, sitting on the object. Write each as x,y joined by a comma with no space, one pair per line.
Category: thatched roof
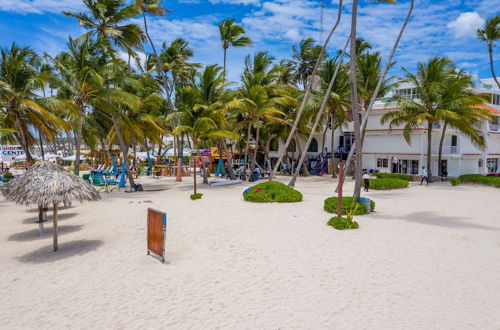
47,183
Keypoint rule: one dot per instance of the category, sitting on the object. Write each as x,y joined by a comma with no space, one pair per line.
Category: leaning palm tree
489,34
430,82
305,55
231,35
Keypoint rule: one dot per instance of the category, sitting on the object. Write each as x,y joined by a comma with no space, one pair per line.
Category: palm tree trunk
354,102
23,140
381,78
440,152
490,50
429,151
244,174
224,70
254,160
78,138
41,144
306,95
319,115
332,145
229,164
124,150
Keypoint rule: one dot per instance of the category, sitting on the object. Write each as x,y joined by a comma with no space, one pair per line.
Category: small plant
455,181
342,223
330,205
272,191
394,176
195,196
388,184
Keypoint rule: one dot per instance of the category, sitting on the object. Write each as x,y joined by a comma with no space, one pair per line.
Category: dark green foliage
341,223
493,181
455,181
388,184
330,205
394,176
272,191
195,196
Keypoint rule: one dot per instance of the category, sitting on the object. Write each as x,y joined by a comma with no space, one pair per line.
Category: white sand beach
428,258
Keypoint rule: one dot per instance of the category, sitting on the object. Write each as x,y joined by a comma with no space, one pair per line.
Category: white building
386,150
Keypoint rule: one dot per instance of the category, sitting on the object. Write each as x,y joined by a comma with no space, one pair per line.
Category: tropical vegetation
272,191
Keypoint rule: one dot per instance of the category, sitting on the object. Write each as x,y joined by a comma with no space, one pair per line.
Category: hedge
394,176
272,191
388,184
342,223
330,205
493,181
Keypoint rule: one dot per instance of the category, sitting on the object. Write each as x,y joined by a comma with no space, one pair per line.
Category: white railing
494,127
447,150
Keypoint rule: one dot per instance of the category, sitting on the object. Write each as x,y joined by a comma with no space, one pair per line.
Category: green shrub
394,176
342,223
455,181
388,184
272,191
330,205
195,196
493,181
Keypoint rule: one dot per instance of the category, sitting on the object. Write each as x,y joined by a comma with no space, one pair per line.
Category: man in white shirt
366,179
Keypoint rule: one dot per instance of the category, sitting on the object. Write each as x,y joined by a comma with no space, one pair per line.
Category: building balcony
447,150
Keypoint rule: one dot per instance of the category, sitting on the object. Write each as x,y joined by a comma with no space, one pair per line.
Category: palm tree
489,34
430,83
459,98
304,58
231,35
107,21
153,7
254,104
20,87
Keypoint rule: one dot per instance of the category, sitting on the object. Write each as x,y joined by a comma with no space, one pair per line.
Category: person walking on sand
424,176
366,179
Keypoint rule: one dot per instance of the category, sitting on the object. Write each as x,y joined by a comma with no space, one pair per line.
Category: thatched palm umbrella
46,183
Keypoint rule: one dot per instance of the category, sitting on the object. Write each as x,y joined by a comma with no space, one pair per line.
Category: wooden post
194,173
55,227
340,184
178,176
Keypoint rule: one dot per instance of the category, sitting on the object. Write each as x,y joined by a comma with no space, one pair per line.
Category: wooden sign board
157,233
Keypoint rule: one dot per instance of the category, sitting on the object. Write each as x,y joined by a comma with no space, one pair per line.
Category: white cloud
236,2
466,24
39,6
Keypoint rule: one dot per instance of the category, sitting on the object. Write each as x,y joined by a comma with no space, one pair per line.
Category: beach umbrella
46,183
73,158
51,156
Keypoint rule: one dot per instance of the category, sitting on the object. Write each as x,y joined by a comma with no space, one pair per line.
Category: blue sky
437,27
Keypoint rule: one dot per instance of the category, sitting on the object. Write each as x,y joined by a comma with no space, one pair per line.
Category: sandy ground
429,258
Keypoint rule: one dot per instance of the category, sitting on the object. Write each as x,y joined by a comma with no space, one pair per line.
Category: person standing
366,180
424,176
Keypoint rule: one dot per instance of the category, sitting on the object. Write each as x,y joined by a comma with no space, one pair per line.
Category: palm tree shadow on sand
435,219
66,250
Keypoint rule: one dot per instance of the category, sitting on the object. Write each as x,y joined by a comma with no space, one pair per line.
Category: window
495,99
292,146
382,162
313,146
410,93
273,145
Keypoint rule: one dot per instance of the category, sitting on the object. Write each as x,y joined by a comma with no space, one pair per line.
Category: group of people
425,177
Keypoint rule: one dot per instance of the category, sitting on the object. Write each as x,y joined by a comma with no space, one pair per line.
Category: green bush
493,181
342,223
455,181
272,191
394,176
330,205
388,184
195,196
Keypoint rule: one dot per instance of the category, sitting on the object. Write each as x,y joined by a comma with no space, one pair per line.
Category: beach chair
86,177
99,180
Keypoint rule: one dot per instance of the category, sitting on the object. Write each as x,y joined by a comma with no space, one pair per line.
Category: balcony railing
447,150
494,127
